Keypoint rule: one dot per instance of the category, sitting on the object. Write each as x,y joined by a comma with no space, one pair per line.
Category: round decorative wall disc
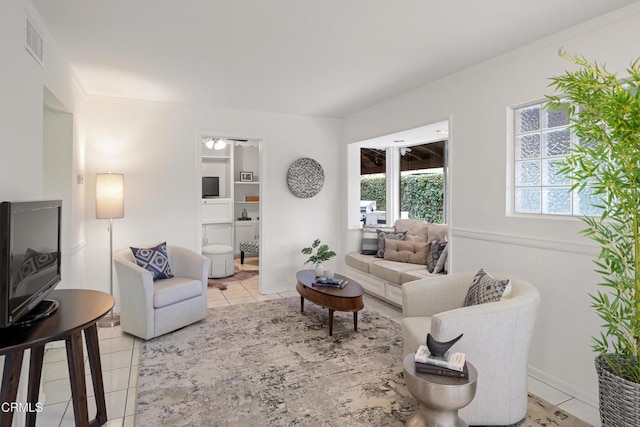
305,178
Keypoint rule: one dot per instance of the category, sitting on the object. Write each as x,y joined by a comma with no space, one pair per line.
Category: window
402,182
422,182
542,138
373,186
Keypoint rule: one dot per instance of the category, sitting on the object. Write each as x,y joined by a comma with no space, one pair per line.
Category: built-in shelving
219,215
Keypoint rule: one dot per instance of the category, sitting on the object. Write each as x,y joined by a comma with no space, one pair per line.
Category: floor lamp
110,205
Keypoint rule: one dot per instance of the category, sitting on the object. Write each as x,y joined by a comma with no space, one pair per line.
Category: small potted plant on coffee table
318,254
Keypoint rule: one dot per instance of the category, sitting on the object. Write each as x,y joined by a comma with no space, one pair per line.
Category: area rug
267,364
238,276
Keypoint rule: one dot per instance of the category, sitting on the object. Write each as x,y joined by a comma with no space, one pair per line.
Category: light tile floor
120,354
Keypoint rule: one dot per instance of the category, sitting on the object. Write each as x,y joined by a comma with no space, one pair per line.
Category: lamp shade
109,195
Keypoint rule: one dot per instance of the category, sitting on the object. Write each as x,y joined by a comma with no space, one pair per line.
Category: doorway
229,184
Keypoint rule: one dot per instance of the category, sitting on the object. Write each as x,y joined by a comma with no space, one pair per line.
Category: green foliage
374,188
322,252
605,116
422,195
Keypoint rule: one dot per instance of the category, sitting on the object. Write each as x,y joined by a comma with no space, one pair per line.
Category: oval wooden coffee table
348,298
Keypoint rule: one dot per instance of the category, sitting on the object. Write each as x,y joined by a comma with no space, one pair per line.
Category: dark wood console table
79,310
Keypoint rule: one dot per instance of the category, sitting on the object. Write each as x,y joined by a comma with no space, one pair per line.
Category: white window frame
541,158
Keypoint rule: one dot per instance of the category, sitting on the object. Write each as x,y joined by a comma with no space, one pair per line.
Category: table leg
331,322
33,390
93,351
301,304
355,321
10,381
76,376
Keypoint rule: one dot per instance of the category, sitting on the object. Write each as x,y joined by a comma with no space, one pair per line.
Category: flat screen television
29,259
210,186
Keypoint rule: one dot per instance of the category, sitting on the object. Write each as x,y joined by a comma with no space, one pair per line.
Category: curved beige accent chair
151,308
496,339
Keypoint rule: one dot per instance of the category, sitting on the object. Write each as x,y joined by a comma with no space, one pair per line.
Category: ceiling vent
34,42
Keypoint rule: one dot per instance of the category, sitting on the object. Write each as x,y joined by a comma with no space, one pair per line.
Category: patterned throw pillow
441,264
485,288
34,262
154,259
387,235
370,239
434,253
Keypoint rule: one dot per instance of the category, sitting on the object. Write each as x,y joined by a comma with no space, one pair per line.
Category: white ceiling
324,57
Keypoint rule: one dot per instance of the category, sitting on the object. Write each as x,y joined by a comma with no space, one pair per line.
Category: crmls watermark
21,407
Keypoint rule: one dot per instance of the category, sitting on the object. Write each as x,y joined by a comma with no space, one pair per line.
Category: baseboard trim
563,386
530,242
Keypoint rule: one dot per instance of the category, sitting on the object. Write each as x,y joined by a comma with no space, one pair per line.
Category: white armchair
496,339
149,309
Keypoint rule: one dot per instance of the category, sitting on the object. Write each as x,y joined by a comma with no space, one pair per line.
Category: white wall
156,147
23,85
547,252
20,109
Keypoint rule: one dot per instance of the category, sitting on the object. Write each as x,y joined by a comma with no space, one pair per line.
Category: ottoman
251,246
221,257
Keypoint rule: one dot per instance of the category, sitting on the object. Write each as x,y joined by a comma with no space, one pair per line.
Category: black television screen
29,256
210,186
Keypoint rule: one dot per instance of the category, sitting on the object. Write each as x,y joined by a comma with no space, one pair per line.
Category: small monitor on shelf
210,186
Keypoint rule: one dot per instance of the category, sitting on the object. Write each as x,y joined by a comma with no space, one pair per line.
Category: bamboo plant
605,160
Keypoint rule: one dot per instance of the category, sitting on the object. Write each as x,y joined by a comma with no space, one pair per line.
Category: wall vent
34,42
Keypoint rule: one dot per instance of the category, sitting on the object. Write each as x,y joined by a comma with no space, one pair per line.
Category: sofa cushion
359,261
383,235
406,251
435,251
437,231
370,239
411,275
154,259
175,289
416,229
484,288
390,271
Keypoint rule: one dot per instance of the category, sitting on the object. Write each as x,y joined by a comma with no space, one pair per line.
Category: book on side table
450,365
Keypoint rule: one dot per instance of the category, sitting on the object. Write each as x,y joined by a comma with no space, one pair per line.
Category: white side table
440,397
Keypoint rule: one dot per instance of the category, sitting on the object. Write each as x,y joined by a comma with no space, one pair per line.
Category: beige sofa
384,278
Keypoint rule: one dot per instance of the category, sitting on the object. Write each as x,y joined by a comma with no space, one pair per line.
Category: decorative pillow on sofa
35,261
485,288
406,251
442,261
154,259
416,229
436,250
370,239
382,235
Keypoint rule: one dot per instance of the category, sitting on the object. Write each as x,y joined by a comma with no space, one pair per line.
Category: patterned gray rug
266,364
